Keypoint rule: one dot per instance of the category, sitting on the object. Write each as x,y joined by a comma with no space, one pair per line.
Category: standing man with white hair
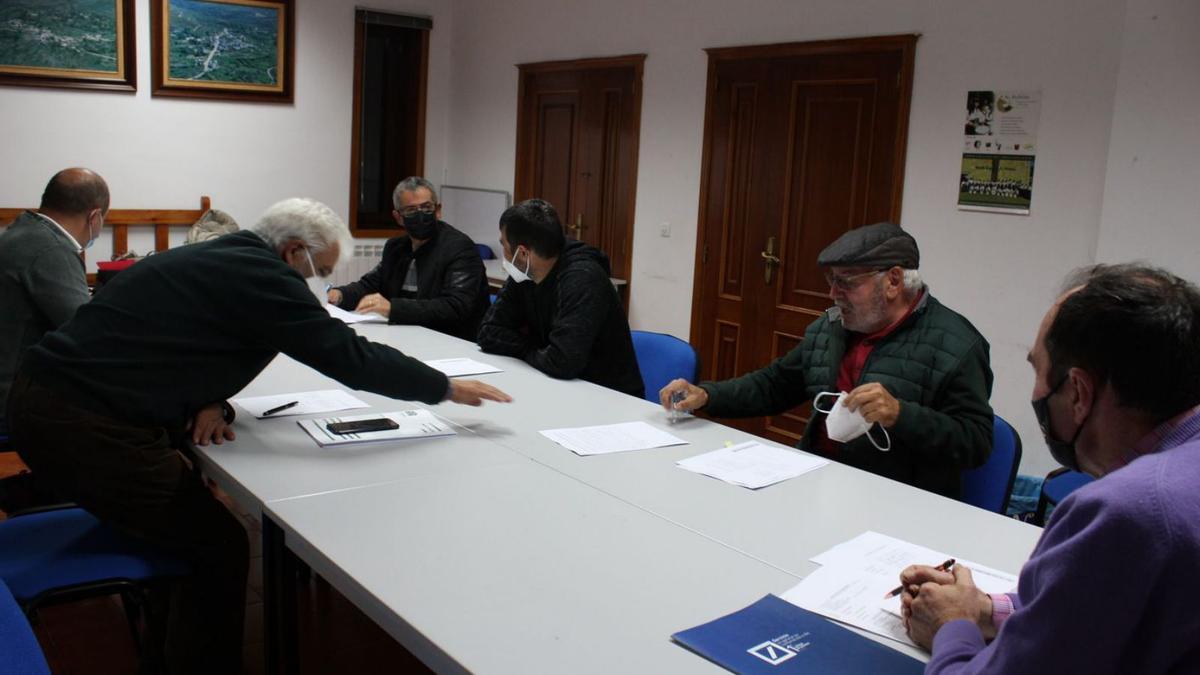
99,406
915,370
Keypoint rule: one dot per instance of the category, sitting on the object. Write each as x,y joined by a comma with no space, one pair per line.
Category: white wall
1152,195
1109,185
165,153
1000,271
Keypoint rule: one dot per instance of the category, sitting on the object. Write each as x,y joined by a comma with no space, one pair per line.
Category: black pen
281,408
944,567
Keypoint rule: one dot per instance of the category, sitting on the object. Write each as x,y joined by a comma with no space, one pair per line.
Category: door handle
770,261
579,227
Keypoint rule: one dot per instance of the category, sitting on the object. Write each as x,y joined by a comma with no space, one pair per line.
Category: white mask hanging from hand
844,425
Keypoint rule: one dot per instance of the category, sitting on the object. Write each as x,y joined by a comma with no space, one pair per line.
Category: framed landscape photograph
222,49
86,44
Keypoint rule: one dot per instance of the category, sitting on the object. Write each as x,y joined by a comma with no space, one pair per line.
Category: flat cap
879,245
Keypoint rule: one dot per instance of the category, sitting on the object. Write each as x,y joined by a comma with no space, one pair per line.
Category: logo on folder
771,652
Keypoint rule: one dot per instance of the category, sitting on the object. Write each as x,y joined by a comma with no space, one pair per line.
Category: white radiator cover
363,259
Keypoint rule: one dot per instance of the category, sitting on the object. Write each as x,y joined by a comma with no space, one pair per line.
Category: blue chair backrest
990,485
485,251
662,358
19,649
1061,483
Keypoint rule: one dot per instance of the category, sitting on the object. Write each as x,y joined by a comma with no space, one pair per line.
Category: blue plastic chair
662,358
990,485
20,653
485,251
61,555
1058,484
49,555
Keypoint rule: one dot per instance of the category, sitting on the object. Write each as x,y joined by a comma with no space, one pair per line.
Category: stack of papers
463,366
856,575
413,424
609,438
752,464
307,403
354,317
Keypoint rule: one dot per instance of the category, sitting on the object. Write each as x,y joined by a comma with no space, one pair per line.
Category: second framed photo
223,49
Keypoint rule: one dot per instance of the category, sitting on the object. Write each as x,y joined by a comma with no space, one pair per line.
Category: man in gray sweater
42,279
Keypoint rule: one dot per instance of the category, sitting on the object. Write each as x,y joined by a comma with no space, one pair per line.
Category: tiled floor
92,637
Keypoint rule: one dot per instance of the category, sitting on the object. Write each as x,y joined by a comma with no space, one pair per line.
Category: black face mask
1063,452
420,225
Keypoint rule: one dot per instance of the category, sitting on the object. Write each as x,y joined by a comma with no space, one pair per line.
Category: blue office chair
60,555
485,251
990,485
1058,484
662,358
22,655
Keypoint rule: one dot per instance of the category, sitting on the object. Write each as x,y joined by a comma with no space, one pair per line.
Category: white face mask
511,267
315,283
843,425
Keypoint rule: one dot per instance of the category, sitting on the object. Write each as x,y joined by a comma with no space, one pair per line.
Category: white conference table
357,515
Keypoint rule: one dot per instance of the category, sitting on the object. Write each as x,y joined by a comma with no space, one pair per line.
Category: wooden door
577,141
802,143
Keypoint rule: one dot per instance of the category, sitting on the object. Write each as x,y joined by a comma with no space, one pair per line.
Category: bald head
75,192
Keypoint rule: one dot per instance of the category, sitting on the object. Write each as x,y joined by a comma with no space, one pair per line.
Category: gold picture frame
80,44
223,49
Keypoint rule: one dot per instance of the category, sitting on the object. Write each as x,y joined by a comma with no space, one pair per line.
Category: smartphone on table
362,426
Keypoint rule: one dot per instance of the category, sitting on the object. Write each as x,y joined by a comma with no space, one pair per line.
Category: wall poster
999,144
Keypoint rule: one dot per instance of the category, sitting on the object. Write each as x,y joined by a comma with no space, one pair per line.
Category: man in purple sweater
1113,584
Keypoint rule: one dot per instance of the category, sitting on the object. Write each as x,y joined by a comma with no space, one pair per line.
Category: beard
868,316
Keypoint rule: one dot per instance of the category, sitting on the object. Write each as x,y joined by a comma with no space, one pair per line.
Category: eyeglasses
849,282
425,207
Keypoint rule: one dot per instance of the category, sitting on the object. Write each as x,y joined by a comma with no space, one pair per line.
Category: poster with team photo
999,145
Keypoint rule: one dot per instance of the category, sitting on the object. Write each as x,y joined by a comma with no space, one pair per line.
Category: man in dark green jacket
909,365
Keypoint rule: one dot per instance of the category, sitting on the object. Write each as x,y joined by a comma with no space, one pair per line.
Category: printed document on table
462,366
856,575
413,424
308,403
752,464
354,317
608,438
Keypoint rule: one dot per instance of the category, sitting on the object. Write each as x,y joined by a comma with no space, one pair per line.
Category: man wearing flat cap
914,369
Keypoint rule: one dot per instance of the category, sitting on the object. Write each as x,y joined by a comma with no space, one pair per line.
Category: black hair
534,224
1136,327
75,191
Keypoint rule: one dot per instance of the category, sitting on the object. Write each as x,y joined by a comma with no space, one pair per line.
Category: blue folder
775,637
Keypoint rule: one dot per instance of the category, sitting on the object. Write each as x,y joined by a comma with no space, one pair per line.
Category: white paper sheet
462,366
354,317
609,438
413,424
752,464
856,575
308,403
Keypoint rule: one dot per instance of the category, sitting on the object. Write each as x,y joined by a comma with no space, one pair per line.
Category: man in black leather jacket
432,276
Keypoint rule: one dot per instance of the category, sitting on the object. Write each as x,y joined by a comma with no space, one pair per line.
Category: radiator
364,259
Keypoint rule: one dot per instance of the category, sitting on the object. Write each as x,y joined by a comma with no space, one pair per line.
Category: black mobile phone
361,426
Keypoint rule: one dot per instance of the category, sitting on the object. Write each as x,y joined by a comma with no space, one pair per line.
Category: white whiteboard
476,212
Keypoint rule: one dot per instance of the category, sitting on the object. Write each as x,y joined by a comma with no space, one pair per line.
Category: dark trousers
131,478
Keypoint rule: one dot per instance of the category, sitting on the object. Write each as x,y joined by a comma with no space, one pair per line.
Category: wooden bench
120,220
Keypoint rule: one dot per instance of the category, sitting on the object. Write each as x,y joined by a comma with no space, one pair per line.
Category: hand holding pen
944,567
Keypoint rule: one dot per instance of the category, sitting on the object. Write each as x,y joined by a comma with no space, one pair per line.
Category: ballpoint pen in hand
944,567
